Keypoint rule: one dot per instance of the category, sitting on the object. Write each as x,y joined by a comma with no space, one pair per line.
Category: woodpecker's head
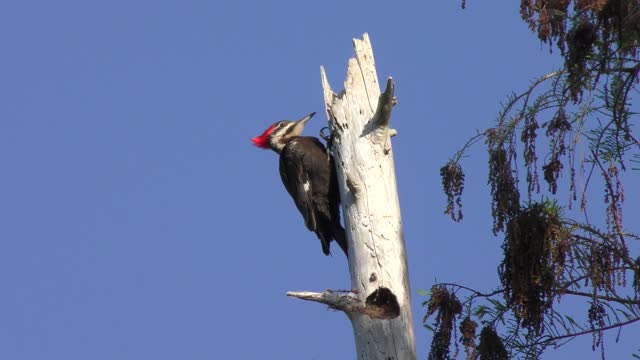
279,133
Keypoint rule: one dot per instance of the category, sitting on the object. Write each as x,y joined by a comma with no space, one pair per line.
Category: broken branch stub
381,304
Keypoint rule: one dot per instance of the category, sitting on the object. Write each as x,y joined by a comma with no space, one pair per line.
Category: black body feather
308,174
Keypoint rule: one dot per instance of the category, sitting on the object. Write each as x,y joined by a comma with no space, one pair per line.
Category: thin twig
551,339
603,297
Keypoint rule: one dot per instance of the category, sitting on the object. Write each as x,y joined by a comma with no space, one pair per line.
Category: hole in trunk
382,304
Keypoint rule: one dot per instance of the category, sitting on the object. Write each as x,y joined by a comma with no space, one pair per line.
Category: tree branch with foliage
552,247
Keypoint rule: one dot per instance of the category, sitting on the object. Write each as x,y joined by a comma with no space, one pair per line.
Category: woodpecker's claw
328,139
325,137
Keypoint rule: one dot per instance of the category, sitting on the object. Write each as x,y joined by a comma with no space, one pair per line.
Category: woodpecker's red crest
262,141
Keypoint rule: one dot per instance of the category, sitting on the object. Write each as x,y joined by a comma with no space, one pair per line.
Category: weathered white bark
379,304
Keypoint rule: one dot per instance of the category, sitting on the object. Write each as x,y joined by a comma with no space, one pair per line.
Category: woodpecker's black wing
296,180
306,172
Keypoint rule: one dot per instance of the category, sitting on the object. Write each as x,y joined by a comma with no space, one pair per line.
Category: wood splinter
379,125
386,102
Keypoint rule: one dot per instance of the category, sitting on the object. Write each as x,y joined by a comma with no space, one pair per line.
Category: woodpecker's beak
304,120
297,130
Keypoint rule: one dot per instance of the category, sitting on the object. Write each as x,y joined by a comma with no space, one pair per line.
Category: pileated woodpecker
308,173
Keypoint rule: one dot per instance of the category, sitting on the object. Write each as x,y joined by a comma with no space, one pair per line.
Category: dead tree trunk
379,303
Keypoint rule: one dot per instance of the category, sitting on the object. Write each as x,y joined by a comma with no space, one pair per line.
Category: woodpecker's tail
341,239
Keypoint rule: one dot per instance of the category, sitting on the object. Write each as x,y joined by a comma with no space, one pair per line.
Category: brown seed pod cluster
505,196
447,307
597,314
535,249
491,346
468,331
453,185
592,35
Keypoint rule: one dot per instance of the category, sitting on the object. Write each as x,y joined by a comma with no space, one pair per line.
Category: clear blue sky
138,222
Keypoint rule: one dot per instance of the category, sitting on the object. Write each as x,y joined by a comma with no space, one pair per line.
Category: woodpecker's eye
279,125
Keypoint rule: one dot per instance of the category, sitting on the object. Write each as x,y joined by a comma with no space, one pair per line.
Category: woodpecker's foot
325,137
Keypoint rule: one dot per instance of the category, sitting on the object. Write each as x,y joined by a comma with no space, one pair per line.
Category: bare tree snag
379,304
